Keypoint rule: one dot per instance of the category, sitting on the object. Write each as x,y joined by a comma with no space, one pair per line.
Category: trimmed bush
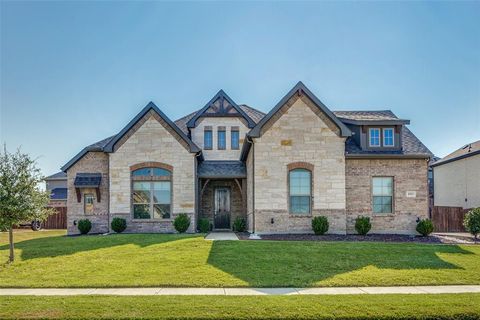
181,222
119,224
363,225
203,225
471,222
425,227
84,226
320,225
239,224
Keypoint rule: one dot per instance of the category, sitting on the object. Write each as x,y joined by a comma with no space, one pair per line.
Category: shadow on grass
62,245
282,263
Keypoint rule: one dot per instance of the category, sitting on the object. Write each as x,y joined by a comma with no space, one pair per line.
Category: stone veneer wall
152,141
299,132
207,205
408,174
92,162
215,122
249,194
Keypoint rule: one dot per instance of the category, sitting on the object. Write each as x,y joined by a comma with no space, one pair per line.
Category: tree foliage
20,196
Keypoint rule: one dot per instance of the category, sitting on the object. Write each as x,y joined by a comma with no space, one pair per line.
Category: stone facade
214,123
299,134
92,162
409,175
152,142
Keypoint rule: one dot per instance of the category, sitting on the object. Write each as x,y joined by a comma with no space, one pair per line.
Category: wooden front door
222,208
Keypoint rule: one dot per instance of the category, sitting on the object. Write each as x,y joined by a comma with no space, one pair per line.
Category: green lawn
459,306
49,259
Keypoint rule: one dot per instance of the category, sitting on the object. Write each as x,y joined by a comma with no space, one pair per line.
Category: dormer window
374,137
388,140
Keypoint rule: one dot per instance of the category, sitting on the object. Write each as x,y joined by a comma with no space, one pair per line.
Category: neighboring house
457,178
56,185
276,170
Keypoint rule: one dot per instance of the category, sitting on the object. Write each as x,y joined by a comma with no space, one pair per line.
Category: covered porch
222,192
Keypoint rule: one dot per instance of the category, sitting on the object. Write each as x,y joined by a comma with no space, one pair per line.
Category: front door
222,208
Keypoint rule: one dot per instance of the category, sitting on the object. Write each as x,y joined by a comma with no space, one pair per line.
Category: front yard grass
50,259
443,306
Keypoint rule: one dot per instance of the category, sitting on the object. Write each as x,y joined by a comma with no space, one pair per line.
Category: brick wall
92,162
408,174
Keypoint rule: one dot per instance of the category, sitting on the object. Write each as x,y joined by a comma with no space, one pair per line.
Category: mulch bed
368,238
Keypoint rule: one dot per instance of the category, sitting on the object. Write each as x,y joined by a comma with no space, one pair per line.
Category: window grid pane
300,191
207,137
374,137
221,140
382,191
388,137
235,135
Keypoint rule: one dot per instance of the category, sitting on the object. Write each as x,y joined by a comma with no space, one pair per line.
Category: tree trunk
10,239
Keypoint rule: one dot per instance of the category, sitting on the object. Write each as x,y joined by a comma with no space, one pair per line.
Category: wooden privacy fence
448,219
57,220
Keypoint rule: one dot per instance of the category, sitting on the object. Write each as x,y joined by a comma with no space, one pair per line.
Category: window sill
152,220
300,215
383,214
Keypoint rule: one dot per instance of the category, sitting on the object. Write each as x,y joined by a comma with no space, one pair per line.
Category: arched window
151,193
300,191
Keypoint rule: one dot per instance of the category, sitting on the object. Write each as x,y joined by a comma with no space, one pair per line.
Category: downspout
253,235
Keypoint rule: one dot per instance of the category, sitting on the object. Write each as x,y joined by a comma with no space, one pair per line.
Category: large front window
151,195
300,181
382,192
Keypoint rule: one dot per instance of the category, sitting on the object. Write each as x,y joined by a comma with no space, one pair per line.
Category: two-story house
276,170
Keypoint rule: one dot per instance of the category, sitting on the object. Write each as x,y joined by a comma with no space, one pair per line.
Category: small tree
20,197
471,222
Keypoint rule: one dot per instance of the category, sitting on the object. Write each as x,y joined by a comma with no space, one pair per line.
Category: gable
150,111
220,106
300,91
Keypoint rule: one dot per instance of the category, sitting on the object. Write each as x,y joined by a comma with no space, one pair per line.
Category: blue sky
73,73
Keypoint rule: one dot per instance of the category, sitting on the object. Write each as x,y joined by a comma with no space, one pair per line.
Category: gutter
440,162
387,156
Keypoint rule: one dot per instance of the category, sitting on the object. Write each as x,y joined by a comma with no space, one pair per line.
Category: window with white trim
388,137
382,194
374,137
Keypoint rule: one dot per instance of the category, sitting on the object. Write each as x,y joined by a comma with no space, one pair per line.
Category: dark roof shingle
222,169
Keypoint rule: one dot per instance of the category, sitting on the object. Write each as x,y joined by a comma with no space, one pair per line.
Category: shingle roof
222,169
254,114
57,176
411,146
58,194
366,115
467,150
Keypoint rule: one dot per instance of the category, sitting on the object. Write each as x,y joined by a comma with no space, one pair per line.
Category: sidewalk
241,291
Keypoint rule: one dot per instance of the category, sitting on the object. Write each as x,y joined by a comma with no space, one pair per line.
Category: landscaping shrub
84,226
471,222
119,224
425,227
239,224
363,225
181,222
203,225
320,225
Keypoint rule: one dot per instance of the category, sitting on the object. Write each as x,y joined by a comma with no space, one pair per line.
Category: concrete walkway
241,291
224,235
